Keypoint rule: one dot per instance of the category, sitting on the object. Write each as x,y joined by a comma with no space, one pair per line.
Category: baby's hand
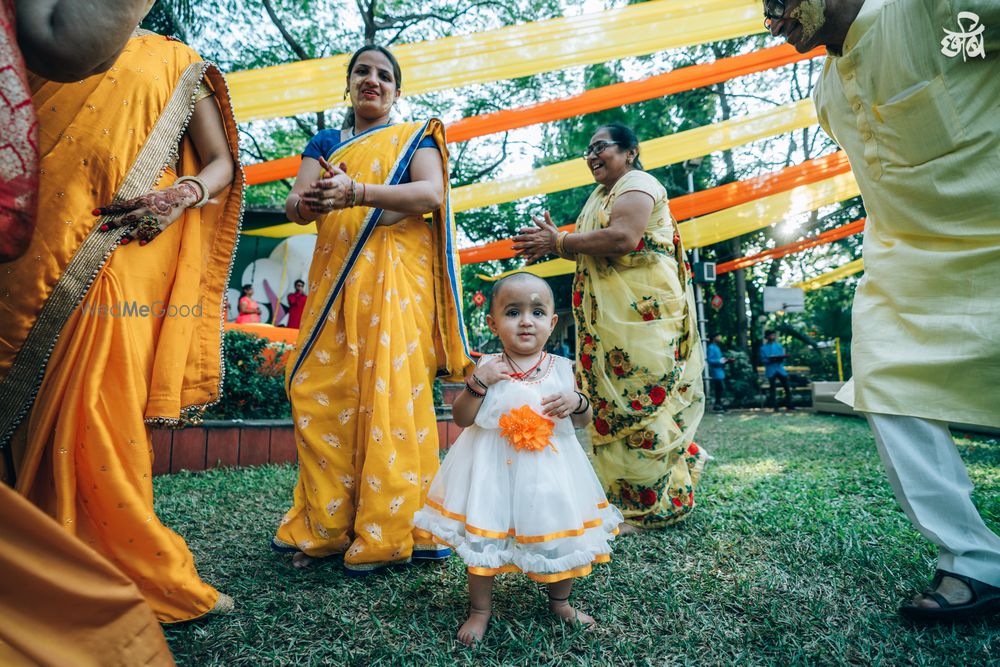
561,405
492,371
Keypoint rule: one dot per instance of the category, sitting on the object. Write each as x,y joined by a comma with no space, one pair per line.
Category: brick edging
238,443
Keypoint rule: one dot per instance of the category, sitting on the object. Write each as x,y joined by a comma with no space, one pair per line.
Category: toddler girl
516,492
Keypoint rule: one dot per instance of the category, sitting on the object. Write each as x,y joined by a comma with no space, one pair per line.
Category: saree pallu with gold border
383,317
639,361
97,340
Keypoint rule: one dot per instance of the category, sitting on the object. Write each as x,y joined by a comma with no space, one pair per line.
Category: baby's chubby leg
559,604
480,606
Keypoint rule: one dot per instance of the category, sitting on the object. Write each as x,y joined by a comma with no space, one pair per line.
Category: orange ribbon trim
597,99
828,236
522,539
542,578
706,201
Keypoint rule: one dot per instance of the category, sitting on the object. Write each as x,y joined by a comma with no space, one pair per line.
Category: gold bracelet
560,242
198,182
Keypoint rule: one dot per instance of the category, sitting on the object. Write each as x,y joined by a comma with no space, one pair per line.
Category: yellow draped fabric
639,361
382,319
505,53
655,153
62,604
737,220
831,277
80,448
766,211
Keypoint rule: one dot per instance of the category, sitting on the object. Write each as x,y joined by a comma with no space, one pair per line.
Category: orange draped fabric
706,201
828,236
83,371
63,604
598,99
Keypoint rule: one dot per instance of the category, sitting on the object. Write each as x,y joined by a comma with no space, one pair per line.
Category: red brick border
216,444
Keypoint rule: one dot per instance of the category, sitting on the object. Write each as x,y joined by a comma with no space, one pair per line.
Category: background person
716,371
772,355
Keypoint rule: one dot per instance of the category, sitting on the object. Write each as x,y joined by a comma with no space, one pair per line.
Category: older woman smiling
639,360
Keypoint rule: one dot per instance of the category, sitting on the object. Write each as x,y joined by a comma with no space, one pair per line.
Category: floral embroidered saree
639,361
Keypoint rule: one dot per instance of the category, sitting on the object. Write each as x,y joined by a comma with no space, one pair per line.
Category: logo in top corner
967,40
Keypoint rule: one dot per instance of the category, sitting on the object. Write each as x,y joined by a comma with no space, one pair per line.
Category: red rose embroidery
577,299
647,316
588,339
636,405
601,426
641,245
585,361
677,354
619,371
691,499
676,501
657,394
647,497
647,444
693,449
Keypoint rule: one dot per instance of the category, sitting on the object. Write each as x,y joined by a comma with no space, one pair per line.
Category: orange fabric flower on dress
526,429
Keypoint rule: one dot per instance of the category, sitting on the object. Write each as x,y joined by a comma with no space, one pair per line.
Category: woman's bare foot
474,627
568,613
626,528
301,560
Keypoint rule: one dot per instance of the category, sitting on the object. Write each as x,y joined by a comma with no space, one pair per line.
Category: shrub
254,386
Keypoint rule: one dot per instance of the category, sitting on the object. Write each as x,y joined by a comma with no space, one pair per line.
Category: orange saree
97,340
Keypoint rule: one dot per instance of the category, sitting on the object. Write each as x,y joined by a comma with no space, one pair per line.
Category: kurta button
867,136
849,76
857,106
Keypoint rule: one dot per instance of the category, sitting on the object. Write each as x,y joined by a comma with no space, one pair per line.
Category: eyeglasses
774,10
597,148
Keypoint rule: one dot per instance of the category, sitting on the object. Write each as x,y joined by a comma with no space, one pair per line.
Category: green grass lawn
796,554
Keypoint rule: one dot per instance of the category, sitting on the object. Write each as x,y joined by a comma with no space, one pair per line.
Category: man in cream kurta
911,91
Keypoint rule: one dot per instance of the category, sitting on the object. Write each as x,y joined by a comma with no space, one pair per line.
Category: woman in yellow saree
383,317
638,354
111,321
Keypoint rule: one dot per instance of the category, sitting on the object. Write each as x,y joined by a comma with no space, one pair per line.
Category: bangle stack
584,404
560,244
200,184
354,193
474,391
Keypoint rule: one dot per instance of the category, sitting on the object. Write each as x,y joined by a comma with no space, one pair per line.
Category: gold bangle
560,243
199,183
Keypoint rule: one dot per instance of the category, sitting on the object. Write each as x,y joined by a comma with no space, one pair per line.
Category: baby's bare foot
301,560
566,612
474,627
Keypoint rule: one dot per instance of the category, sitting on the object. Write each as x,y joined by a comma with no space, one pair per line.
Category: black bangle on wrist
584,404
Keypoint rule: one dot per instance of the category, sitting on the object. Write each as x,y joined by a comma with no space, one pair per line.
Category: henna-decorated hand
332,192
151,213
561,405
536,242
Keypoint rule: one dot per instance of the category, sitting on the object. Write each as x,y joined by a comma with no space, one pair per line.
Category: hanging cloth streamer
502,54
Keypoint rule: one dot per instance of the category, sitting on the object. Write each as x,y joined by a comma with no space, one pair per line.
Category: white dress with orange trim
516,492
